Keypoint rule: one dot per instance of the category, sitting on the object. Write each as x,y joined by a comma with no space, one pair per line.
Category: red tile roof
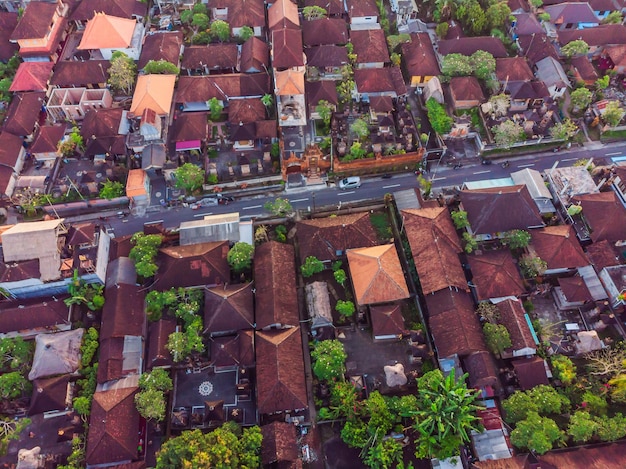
320,90
466,89
530,372
275,279
281,385
233,350
212,56
193,265
575,289
604,214
419,56
482,370
380,80
24,113
387,320
559,247
79,73
512,317
453,324
326,31
33,315
435,246
333,7
159,333
280,443
113,427
86,9
603,35
513,69
360,8
222,87
161,46
10,149
370,46
35,22
326,56
287,49
603,254
243,12
536,47
49,394
123,311
189,126
246,111
255,56
228,308
8,22
495,275
32,76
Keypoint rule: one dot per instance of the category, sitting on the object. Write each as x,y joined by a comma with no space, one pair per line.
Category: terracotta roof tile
435,246
159,333
419,56
513,69
287,49
49,394
466,89
379,80
279,443
326,56
559,247
17,271
360,8
8,22
21,316
255,56
79,73
24,113
189,126
35,23
387,320
107,32
246,110
32,76
212,56
283,14
326,31
222,87
370,46
603,35
161,46
275,279
320,90
495,275
512,317
604,214
377,275
233,350
85,10
10,148
603,254
575,289
229,308
123,311
281,385
153,92
536,47
530,372
482,370
243,12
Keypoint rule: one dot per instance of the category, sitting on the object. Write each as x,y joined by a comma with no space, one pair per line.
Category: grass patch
613,135
521,150
381,225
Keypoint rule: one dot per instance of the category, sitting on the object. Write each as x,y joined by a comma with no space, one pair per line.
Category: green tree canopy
122,72
507,133
459,218
498,15
439,119
111,190
536,433
189,177
158,379
151,404
312,265
279,207
483,63
239,257
314,13
532,266
15,353
13,385
542,399
227,447
325,111
245,33
517,239
581,427
144,252
345,308
580,98
455,65
221,30
577,47
615,17
497,337
613,113
564,369
564,130
215,109
329,359
160,67
360,128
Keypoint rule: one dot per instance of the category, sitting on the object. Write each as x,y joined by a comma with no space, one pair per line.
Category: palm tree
268,102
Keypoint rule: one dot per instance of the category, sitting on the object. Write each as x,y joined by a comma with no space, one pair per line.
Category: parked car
351,182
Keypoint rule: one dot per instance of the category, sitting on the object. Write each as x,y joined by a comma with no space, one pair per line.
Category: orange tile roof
135,183
153,92
107,32
377,275
289,83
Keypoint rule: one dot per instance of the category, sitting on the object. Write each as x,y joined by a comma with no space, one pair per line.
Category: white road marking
252,207
526,165
299,200
482,172
438,179
613,154
391,185
570,159
202,215
346,193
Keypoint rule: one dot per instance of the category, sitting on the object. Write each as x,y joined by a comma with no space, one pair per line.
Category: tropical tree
325,111
122,72
602,83
542,399
111,190
439,119
483,63
329,358
245,33
577,47
611,428
215,109
507,133
89,347
279,207
189,177
445,414
425,185
488,311
13,385
340,276
227,447
360,128
532,266
158,379
82,405
517,239
151,404
500,104
345,308
564,369
314,13
393,41
581,427
239,257
564,130
498,14
15,353
268,102
71,143
497,338
221,30
473,16
88,294
615,17
455,65
613,113
580,98
144,252
536,433
160,67
442,30
312,265
345,89
459,218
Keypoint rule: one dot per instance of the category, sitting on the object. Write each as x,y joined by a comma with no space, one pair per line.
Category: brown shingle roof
530,372
189,126
32,76
499,209
228,308
326,31
159,333
86,9
453,323
233,350
370,46
35,22
575,289
326,56
24,112
10,148
114,427
387,320
377,275
320,90
79,73
161,46
287,48
283,14
481,369
222,87
213,56
571,12
123,313
495,275
603,254
512,317
255,56
8,22
279,443
275,279
243,12
360,8
32,315
585,68
536,47
435,246
419,56
100,131
49,394
193,265
603,35
513,69
323,237
16,271
466,89
111,360
559,247
81,233
527,23
246,110
380,80
281,385
604,214
469,45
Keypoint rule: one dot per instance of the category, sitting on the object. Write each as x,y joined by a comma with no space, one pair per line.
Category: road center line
482,172
570,159
526,165
613,154
252,207
202,215
391,185
299,200
346,193
438,179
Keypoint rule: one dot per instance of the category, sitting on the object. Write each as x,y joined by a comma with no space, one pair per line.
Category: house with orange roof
290,92
106,34
40,30
138,187
32,76
153,92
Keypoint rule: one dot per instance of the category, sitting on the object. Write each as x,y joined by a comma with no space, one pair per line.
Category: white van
351,182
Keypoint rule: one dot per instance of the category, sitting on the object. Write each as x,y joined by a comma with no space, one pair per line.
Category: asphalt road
372,188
